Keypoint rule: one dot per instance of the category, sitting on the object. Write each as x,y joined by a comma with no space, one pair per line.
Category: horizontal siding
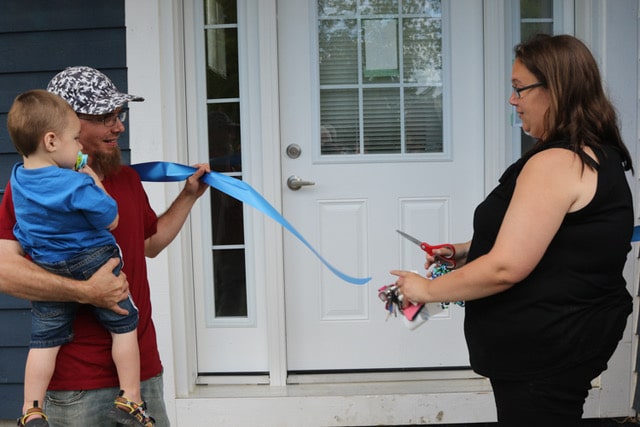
15,324
50,15
37,40
12,361
100,48
15,327
10,303
10,401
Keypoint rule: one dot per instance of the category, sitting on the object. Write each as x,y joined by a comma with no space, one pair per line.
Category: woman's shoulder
554,153
554,161
555,169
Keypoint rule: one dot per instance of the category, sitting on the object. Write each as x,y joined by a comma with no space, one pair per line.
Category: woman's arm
551,184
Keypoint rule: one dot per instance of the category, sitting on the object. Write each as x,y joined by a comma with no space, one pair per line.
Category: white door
379,182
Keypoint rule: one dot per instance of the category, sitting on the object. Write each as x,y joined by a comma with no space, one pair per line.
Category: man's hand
106,290
194,185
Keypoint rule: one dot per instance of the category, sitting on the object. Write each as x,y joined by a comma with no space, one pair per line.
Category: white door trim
262,21
497,130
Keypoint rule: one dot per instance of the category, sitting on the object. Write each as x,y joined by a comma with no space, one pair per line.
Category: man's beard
108,163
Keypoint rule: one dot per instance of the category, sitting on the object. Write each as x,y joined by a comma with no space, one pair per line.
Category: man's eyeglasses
108,120
519,90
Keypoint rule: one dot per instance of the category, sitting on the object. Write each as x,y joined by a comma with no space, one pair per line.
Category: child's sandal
33,422
130,413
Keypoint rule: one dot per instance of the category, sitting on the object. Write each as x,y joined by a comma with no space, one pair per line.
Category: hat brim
107,105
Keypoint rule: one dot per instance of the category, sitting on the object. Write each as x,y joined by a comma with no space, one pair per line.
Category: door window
223,124
380,77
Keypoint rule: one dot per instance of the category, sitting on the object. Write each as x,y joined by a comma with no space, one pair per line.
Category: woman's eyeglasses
518,90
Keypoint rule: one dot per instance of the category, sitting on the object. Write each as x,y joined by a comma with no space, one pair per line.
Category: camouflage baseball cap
89,91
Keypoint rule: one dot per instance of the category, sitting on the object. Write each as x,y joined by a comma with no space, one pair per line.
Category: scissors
450,259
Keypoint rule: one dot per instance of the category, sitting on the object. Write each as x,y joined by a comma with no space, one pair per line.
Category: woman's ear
50,142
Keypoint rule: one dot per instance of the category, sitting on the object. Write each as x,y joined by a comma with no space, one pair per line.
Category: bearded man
85,380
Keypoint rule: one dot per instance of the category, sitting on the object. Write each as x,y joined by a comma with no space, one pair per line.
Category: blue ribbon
171,172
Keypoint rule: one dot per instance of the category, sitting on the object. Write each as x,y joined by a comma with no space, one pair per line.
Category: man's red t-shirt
86,362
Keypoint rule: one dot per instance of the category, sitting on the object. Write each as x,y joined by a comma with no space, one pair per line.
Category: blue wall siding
37,40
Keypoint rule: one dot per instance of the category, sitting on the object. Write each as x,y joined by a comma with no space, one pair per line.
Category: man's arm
22,278
170,223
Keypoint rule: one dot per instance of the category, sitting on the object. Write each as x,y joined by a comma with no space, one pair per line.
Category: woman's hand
462,249
412,286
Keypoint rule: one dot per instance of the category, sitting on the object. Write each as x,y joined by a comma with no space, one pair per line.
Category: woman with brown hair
546,302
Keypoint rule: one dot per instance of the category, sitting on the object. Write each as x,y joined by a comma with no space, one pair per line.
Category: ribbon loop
240,190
